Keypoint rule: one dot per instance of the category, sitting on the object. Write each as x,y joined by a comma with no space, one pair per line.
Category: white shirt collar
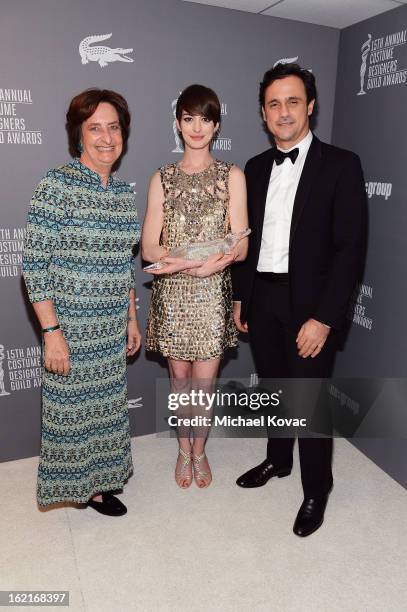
303,145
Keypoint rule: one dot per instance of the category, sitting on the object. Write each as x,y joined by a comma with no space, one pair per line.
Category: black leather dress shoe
259,475
110,506
310,516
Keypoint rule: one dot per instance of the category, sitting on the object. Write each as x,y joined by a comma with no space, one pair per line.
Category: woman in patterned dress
190,320
82,226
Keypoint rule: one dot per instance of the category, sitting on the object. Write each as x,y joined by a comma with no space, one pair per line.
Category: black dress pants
272,337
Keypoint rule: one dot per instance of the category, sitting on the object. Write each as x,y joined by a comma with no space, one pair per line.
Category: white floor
222,548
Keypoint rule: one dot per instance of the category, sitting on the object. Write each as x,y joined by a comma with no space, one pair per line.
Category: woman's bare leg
203,377
180,376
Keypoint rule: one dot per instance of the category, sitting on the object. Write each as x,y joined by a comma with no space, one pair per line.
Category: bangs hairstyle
84,105
199,100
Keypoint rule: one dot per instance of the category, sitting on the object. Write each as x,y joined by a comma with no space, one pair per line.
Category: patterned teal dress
78,253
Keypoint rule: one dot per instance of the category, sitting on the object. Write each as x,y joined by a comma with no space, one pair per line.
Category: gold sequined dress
191,318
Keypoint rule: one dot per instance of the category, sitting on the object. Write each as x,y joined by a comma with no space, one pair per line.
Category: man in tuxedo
307,212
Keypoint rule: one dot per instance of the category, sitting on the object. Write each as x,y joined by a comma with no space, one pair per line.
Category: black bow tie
280,156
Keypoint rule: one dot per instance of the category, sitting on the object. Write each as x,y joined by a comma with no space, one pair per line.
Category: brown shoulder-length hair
199,100
84,105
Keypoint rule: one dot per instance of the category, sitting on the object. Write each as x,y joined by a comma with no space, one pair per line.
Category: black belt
274,277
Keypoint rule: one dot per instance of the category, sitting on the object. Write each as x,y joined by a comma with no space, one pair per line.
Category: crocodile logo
101,54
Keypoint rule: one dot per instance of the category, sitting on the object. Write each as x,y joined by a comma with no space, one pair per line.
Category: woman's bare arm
153,222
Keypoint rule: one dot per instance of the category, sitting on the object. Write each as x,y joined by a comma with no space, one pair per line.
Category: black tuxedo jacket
327,235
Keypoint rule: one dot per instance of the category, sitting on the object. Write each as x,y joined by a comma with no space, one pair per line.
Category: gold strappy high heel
182,473
199,473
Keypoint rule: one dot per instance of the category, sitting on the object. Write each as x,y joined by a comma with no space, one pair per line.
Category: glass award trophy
200,251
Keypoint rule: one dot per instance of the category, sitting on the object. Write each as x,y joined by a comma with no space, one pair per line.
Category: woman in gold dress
190,321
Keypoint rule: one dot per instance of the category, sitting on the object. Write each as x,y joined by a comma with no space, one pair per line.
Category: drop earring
80,148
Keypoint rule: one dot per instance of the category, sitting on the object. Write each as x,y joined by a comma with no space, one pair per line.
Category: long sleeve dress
78,253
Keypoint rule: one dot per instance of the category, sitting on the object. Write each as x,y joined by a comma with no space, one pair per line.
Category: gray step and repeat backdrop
164,45
369,118
150,50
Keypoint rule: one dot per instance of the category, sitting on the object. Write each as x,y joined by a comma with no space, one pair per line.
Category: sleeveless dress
191,318
78,253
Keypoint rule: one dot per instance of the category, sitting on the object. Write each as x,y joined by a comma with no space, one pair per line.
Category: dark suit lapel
308,176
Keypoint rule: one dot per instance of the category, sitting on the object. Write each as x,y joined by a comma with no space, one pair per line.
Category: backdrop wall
369,118
172,44
165,45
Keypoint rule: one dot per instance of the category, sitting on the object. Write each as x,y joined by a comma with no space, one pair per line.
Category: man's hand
237,308
311,338
56,353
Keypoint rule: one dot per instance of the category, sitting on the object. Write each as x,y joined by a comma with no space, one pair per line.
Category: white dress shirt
284,180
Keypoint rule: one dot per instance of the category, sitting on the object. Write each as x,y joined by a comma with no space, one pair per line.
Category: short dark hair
84,105
280,71
199,100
